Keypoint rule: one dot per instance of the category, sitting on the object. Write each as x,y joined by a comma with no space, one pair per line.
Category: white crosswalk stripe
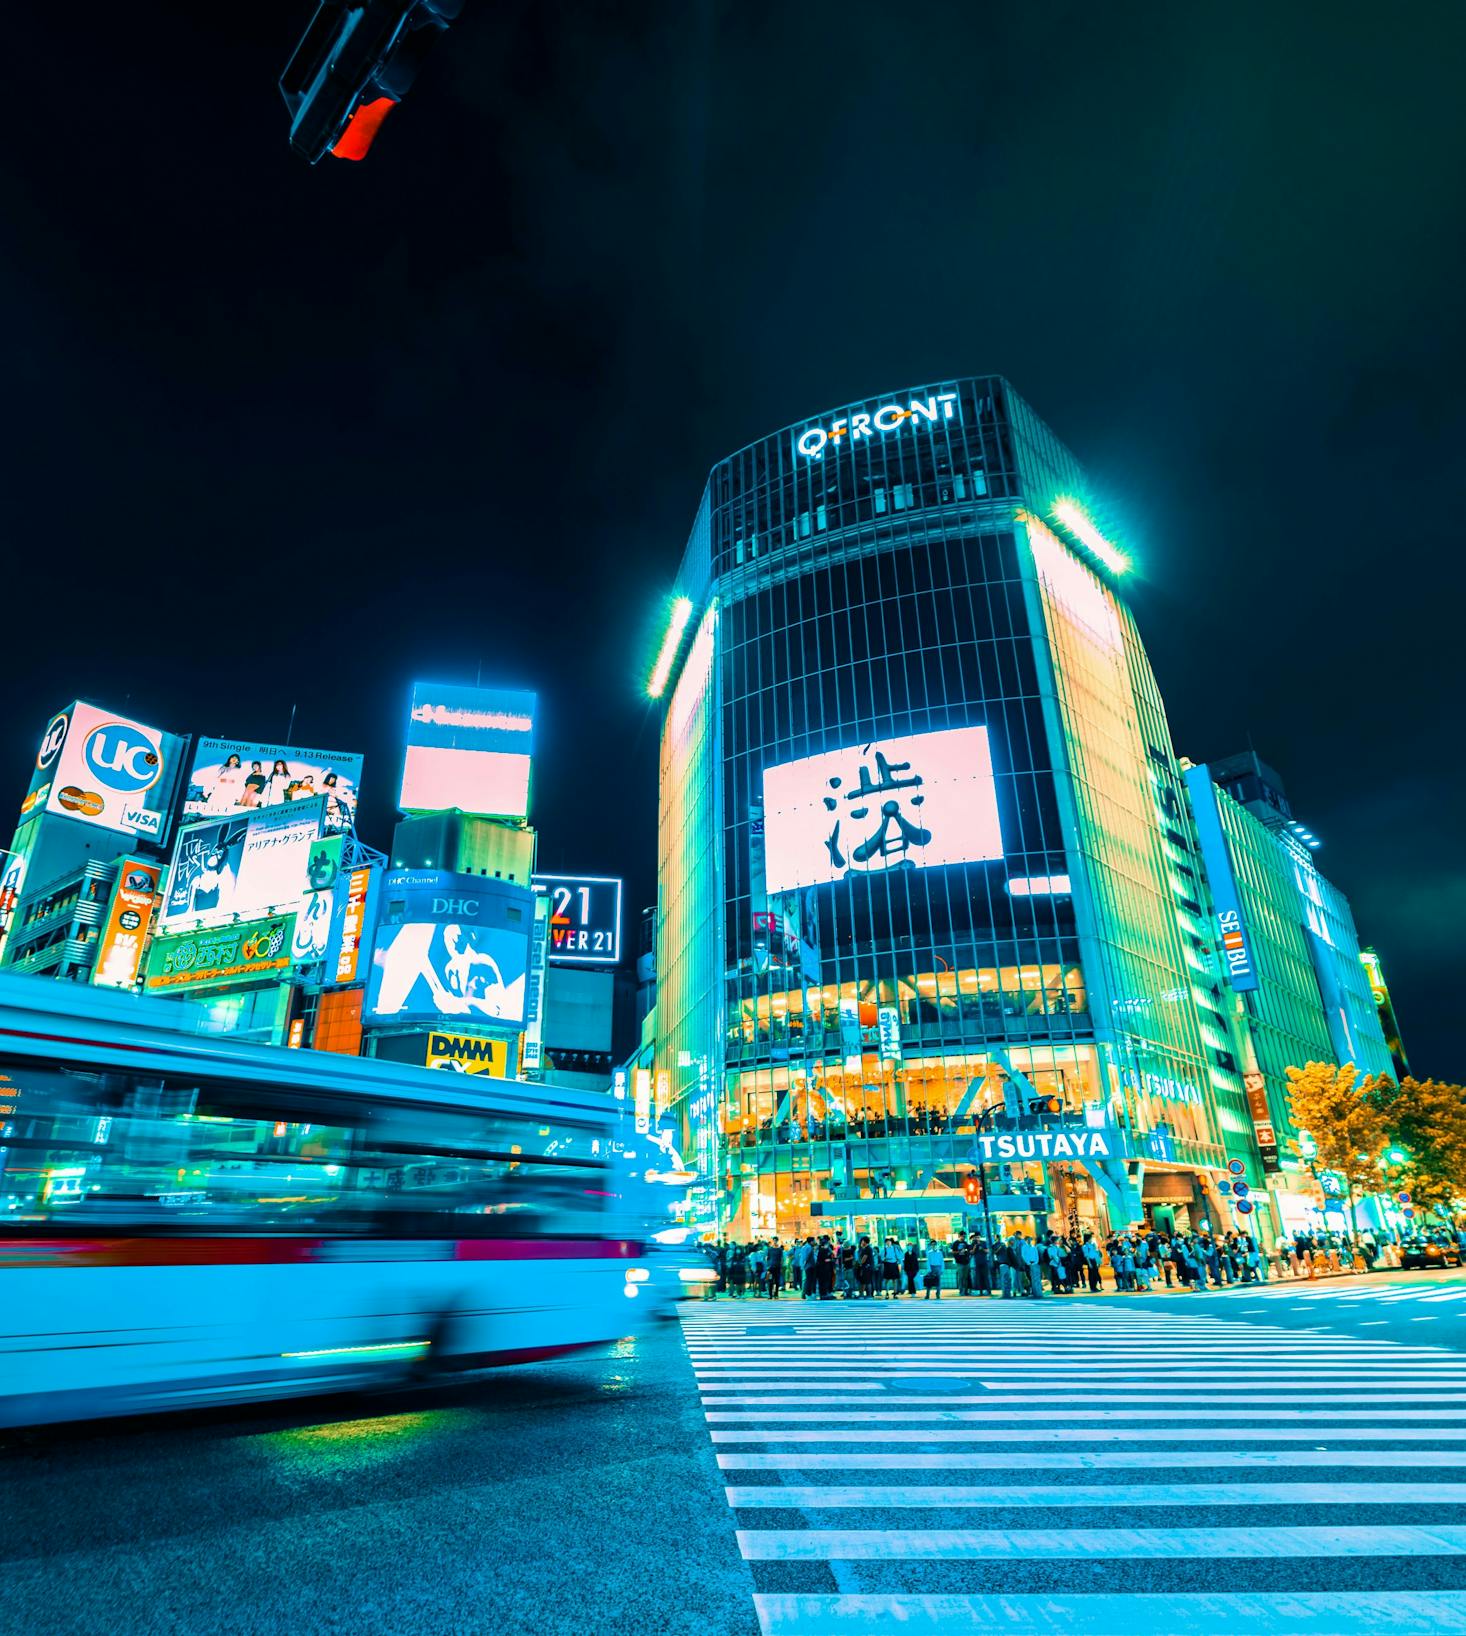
929,1469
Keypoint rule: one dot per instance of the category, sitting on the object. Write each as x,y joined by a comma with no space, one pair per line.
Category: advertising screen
238,775
450,946
896,803
226,954
242,866
585,918
107,770
129,915
468,750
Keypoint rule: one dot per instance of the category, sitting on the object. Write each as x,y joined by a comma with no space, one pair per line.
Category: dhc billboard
450,945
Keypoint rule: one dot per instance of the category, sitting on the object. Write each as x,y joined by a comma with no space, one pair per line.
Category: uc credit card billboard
108,770
468,750
449,946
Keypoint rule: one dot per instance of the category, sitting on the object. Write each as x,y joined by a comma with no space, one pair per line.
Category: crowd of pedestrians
837,1265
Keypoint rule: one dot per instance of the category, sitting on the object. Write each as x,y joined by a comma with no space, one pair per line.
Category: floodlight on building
681,612
1073,517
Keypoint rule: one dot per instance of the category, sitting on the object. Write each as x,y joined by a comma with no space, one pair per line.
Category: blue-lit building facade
924,840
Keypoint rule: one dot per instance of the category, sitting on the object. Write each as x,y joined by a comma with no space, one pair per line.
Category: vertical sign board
888,1019
125,930
1236,945
532,1060
642,1079
351,926
1262,1121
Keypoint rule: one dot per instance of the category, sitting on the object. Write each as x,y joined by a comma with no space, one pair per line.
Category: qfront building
930,887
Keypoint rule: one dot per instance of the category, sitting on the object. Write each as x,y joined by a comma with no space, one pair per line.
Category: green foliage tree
1341,1114
1427,1120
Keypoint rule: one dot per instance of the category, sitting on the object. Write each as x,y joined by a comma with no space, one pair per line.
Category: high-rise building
925,855
1298,990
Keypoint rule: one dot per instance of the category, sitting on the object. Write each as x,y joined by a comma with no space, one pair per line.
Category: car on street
1426,1250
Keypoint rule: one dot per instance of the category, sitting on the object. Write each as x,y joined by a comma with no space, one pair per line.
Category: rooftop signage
890,417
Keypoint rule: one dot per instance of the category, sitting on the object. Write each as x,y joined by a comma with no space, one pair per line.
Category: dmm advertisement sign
467,1054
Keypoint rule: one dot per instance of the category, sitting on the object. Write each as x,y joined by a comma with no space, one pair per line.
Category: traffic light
972,1187
353,66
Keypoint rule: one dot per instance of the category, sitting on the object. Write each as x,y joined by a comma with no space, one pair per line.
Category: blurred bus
187,1220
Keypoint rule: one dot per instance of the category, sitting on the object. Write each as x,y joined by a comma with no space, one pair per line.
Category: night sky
280,435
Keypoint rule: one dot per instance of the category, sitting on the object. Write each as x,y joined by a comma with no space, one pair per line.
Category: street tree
1341,1115
1426,1121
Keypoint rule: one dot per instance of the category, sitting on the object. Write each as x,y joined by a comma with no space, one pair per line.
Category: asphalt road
592,1495
577,1496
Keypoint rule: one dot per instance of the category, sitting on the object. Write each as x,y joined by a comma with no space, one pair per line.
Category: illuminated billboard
468,750
468,1054
105,769
1233,938
315,916
248,952
129,915
450,946
585,918
237,867
895,803
231,776
354,915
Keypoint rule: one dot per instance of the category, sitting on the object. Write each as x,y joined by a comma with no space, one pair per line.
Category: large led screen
468,750
895,803
237,775
450,946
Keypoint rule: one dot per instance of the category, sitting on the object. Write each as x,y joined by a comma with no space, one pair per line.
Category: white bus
187,1220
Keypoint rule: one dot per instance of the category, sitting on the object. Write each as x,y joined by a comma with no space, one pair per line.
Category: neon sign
812,442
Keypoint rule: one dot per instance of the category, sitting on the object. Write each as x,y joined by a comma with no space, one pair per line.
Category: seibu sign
813,441
1044,1145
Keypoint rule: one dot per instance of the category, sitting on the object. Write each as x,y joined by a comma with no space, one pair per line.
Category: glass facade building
924,840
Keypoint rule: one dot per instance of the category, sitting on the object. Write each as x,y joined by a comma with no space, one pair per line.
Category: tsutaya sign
812,442
1045,1144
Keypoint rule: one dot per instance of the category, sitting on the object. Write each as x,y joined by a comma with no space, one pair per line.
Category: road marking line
1092,1460
1261,1613
1092,1544
1013,1417
778,1496
1091,1434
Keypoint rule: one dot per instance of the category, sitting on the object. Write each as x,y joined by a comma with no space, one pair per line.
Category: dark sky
279,435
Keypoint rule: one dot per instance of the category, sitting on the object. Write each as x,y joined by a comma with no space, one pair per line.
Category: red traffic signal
972,1187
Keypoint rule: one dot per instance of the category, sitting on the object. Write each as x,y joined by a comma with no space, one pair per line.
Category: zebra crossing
1430,1292
1036,1469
